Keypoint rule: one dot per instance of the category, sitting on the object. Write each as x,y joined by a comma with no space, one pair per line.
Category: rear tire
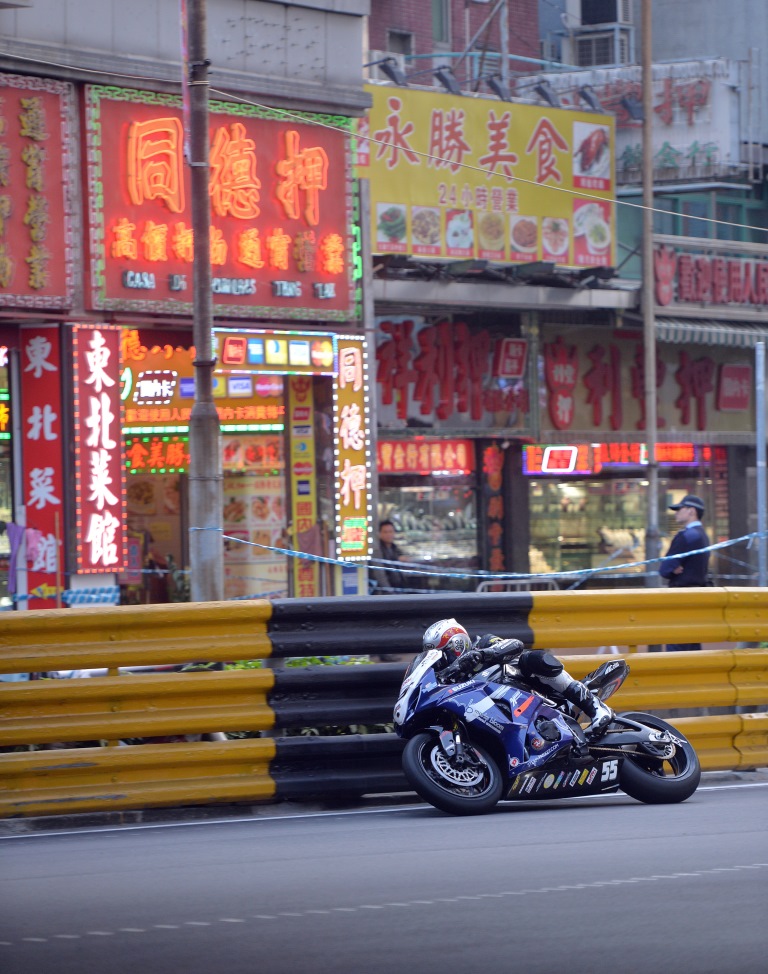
465,790
656,782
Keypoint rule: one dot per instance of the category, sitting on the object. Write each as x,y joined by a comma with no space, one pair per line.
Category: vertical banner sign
352,453
99,468
43,475
306,532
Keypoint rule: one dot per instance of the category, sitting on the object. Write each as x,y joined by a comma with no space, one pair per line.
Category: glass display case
579,525
584,524
435,524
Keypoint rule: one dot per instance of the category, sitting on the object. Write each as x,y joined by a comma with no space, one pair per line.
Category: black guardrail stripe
390,623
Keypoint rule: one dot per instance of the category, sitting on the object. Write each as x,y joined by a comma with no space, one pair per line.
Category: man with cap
691,571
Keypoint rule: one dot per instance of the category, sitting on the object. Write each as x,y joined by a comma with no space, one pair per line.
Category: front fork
452,745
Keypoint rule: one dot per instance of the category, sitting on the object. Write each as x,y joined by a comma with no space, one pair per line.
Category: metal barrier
277,701
519,585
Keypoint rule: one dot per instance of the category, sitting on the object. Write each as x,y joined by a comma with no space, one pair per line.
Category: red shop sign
510,358
425,457
280,201
734,387
37,177
42,459
99,467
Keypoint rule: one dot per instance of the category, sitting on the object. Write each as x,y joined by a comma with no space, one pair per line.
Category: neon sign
99,476
280,198
592,458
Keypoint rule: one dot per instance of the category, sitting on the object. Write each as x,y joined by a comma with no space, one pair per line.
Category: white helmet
447,635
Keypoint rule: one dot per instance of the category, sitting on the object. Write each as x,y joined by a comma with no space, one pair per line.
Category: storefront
471,258
588,493
283,258
294,424
588,501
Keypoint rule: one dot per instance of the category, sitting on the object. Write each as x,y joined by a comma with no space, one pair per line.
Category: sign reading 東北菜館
280,209
466,178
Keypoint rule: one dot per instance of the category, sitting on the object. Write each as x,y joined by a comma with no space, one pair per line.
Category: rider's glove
502,649
470,660
486,641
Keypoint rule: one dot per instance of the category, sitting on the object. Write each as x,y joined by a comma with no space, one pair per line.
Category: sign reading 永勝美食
37,192
280,219
99,469
469,178
43,463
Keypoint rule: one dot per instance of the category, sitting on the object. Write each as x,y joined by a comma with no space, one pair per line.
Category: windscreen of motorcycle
413,676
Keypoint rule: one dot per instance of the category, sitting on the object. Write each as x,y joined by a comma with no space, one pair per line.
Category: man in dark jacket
690,571
388,580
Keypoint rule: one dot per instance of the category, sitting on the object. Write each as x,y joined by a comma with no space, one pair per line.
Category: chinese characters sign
43,476
595,381
706,274
158,389
425,457
590,458
99,471
280,198
448,376
695,115
469,177
37,177
352,454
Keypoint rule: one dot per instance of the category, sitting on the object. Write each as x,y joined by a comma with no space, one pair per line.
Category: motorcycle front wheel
662,774
467,789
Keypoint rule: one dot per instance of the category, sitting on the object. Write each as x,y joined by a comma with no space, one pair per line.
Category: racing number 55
610,771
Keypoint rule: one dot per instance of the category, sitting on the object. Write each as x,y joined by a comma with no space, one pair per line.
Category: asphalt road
582,885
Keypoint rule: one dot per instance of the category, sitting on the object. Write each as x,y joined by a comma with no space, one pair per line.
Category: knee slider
538,662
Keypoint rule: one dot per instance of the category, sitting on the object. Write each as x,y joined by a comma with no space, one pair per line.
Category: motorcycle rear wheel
657,782
458,790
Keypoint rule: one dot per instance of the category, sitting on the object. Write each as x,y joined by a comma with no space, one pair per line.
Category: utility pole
652,579
205,477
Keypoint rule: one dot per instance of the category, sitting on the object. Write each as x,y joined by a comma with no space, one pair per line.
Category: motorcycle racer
540,667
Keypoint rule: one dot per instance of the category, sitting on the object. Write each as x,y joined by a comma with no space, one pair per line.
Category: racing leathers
542,669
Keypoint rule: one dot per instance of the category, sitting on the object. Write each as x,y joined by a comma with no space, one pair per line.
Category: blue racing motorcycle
491,736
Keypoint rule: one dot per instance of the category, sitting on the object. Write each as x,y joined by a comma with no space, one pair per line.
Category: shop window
581,525
435,525
255,518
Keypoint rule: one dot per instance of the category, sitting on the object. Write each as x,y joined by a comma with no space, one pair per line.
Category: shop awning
737,335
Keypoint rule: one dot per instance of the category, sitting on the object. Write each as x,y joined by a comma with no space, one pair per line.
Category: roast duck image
592,150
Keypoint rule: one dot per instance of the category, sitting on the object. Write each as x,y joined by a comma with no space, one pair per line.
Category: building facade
96,305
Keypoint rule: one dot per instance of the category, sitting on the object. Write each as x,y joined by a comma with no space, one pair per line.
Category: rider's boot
599,715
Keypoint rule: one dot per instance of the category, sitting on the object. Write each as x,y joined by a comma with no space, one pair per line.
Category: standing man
388,580
691,571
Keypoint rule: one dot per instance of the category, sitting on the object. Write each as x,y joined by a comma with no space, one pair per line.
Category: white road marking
410,904
257,820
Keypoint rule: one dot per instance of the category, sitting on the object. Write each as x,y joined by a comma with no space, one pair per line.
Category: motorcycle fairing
563,780
477,704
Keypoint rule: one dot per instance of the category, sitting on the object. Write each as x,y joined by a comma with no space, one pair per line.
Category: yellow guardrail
133,635
113,707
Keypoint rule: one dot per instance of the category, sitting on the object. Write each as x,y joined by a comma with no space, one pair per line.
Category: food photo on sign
555,237
426,230
591,232
524,238
391,226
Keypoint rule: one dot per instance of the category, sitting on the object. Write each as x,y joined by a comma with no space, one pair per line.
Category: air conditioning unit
606,12
374,71
593,50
